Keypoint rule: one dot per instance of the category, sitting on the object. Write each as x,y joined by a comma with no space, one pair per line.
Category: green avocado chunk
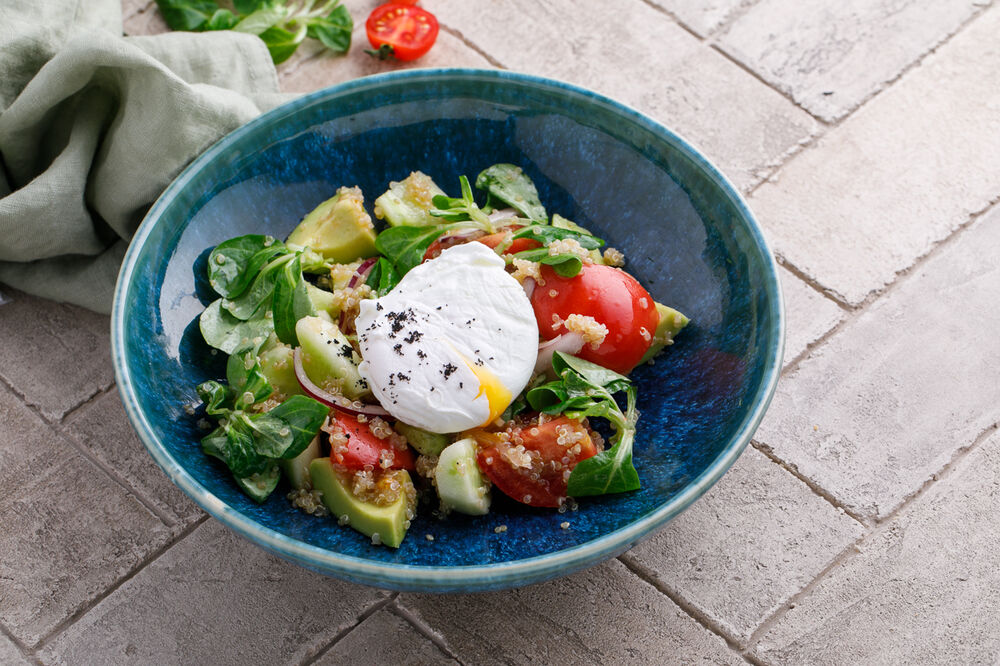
671,323
407,203
339,228
296,470
460,484
328,358
389,522
426,443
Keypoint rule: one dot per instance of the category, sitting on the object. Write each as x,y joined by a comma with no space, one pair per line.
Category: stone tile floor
861,527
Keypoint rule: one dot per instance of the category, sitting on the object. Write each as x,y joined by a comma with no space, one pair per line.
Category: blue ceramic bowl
687,234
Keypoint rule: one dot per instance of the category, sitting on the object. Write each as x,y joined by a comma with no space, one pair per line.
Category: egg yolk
496,393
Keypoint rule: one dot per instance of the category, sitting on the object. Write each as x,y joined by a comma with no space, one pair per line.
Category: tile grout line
58,428
108,591
343,633
900,278
678,599
874,530
811,282
27,652
423,629
457,34
84,404
832,125
676,19
812,485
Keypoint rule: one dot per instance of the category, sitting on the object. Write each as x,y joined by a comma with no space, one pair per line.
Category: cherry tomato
364,448
408,29
613,298
536,475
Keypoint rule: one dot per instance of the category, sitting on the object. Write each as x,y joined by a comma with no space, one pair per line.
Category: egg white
435,347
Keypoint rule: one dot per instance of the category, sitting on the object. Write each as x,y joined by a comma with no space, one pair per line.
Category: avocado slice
296,470
460,484
407,203
426,443
278,367
389,522
671,323
328,358
339,228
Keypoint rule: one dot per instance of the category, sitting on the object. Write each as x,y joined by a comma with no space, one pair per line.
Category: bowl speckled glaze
687,234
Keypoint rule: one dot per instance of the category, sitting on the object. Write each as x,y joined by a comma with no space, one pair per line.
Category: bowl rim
430,578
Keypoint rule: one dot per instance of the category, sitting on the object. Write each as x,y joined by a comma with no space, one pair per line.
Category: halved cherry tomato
409,30
613,298
364,448
537,474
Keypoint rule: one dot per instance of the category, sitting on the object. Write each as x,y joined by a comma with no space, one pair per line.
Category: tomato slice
613,298
537,473
409,30
364,448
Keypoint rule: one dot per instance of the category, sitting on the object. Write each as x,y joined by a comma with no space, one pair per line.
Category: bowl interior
686,235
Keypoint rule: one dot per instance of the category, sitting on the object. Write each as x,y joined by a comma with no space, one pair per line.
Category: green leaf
259,294
545,234
187,14
461,209
216,396
281,42
246,379
260,20
224,331
592,372
272,436
405,246
291,302
610,471
221,20
383,277
509,183
333,30
565,265
234,263
249,6
303,416
239,452
259,486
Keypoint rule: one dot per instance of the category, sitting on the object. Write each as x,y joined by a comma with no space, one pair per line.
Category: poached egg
452,345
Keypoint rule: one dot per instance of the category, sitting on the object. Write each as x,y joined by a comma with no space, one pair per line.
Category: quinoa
524,269
592,331
613,257
308,500
570,246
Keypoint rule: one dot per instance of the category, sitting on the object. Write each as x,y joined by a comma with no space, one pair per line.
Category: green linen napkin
94,125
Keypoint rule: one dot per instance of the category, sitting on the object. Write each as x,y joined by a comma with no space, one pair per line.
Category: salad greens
272,292
583,390
251,443
282,24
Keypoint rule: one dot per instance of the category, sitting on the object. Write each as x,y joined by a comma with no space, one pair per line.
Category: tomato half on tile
613,298
531,462
364,448
408,29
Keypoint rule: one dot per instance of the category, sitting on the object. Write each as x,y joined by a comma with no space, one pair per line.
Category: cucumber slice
296,469
328,357
460,484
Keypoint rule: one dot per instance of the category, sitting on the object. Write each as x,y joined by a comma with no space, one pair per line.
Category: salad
467,349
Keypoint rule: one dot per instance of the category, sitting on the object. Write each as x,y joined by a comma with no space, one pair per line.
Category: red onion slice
503,216
567,343
529,286
327,398
361,274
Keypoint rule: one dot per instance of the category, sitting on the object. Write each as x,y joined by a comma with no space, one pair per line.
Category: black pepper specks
448,369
